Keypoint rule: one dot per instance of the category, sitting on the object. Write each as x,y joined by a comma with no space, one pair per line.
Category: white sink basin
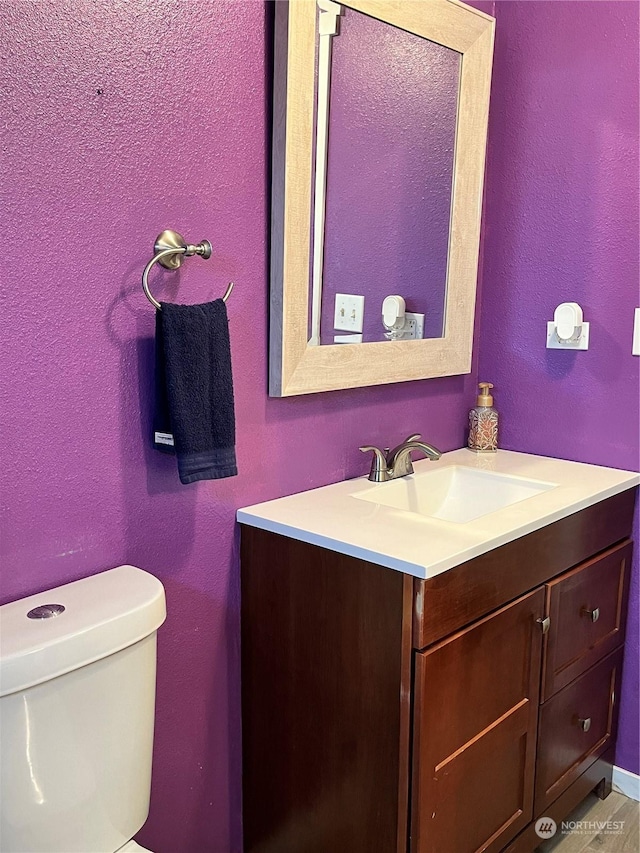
455,493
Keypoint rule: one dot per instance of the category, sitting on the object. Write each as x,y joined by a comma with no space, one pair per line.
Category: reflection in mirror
390,136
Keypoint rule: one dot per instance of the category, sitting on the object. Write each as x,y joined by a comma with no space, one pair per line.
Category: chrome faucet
391,464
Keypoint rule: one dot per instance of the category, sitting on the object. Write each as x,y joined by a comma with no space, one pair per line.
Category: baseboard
626,783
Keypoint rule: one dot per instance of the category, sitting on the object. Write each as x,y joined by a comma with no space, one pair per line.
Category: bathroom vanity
417,684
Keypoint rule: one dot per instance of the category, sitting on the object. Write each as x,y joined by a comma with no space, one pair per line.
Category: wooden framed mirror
373,197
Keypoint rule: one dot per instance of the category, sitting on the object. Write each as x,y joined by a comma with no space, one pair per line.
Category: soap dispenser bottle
483,422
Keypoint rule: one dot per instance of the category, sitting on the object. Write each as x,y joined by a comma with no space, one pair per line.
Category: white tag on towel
164,438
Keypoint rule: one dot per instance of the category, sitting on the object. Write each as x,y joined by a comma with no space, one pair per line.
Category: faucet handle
379,472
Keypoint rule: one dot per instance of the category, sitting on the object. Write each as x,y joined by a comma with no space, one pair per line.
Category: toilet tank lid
103,614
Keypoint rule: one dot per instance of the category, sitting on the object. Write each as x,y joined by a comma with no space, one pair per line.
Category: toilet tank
77,696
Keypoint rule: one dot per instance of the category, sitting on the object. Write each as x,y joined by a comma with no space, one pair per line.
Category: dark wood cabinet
386,714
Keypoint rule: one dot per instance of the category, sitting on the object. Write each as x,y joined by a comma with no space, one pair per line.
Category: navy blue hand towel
194,413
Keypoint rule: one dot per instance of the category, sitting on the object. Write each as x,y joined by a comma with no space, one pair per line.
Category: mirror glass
390,116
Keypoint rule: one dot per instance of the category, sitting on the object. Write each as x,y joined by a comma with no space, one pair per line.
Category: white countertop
424,547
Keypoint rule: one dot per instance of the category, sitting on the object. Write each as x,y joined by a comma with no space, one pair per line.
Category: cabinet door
587,616
475,719
576,726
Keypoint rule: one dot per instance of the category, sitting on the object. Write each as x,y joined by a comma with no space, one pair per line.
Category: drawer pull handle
545,624
593,614
585,724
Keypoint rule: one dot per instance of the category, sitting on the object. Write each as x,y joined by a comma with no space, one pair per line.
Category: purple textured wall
392,125
120,120
561,224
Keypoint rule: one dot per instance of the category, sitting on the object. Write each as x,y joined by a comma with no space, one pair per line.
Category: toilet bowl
77,701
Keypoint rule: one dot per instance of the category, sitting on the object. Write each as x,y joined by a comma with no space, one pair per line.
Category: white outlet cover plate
553,342
418,320
348,313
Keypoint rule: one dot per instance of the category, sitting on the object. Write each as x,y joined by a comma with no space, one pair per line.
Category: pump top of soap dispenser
484,397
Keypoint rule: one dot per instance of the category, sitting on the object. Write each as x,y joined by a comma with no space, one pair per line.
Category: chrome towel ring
170,250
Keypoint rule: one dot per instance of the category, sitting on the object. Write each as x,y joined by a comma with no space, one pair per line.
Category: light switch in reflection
349,312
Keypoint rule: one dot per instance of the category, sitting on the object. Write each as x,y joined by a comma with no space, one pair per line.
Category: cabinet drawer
475,719
585,608
575,727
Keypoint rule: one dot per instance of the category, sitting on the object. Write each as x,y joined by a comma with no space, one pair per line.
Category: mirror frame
295,367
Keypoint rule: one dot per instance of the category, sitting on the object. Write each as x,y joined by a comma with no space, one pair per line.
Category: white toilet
77,697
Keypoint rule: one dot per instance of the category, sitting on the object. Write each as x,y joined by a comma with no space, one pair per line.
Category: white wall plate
553,342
